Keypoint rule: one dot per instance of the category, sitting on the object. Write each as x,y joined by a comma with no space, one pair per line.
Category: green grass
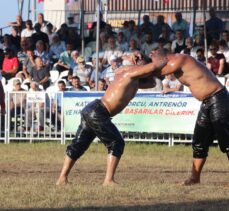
148,174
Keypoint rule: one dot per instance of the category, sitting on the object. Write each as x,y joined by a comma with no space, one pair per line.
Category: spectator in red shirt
10,64
216,62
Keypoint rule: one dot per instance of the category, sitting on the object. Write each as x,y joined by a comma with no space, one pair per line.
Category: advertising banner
146,112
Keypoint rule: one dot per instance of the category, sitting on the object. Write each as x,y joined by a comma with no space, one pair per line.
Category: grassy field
148,176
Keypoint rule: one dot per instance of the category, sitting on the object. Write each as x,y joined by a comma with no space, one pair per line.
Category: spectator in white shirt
171,84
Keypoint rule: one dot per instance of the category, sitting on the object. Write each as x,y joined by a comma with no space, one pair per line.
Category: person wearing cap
76,84
109,73
17,103
10,64
82,70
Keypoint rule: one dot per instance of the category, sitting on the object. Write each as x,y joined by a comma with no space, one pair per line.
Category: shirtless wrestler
213,118
96,121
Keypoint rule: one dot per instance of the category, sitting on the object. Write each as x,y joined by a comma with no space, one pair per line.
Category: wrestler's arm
147,82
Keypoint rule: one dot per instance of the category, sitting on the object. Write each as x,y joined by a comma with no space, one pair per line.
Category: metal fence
39,116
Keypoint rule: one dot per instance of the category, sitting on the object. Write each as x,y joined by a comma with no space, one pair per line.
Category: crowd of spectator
33,51
41,57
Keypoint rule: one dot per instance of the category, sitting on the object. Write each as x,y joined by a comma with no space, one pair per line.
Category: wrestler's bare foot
110,183
191,181
62,181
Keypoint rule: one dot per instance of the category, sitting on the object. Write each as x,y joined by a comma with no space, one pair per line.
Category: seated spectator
56,48
28,31
76,86
199,36
65,59
101,85
15,39
130,31
225,36
149,44
39,35
111,50
50,32
146,26
216,62
109,31
179,43
74,39
63,32
75,56
28,64
181,25
121,42
41,52
82,70
109,73
189,49
42,22
214,25
224,49
10,64
71,23
19,24
17,103
171,84
158,27
133,46
163,44
167,35
92,79
40,73
200,55
7,43
21,55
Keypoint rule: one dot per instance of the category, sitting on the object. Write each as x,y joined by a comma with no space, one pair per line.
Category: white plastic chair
54,75
63,74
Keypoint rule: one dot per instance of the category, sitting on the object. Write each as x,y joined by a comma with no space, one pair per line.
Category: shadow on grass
197,206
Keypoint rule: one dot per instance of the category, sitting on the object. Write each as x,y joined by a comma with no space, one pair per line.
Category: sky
9,10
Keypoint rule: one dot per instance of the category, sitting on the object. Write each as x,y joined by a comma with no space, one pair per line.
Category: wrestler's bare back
119,93
201,81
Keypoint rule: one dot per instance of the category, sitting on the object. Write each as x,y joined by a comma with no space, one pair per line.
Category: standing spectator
10,64
171,84
82,70
63,32
146,26
36,109
181,24
130,32
40,73
214,25
216,62
159,25
179,43
39,35
50,32
21,55
149,44
76,85
17,103
28,31
56,108
74,39
19,24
